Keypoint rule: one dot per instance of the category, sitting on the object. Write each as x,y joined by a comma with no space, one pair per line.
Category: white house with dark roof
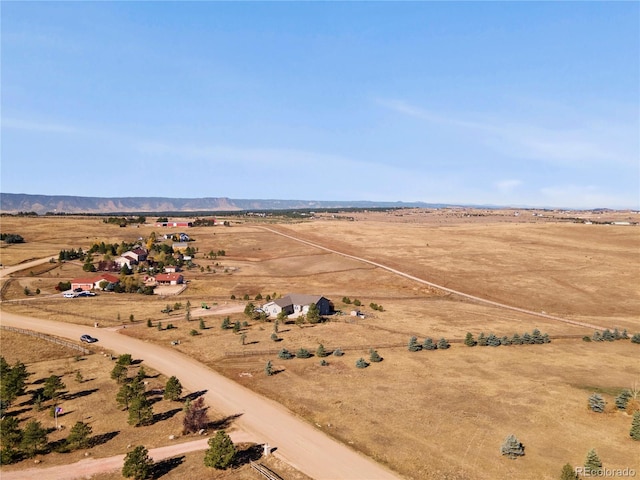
296,304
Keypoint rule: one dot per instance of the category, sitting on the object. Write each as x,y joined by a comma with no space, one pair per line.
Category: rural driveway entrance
298,443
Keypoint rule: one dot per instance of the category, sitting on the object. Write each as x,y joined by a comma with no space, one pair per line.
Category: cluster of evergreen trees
609,336
18,443
428,344
491,340
11,238
72,254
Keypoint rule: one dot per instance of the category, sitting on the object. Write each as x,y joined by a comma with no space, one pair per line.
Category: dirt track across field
439,287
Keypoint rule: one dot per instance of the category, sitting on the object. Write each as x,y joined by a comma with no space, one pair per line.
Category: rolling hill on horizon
42,204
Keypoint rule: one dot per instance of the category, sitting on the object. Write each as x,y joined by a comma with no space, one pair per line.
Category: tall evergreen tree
413,345
79,435
34,438
140,411
592,463
623,399
173,389
374,357
320,351
512,448
482,340
469,340
52,387
268,368
137,464
428,344
221,451
443,344
597,403
568,473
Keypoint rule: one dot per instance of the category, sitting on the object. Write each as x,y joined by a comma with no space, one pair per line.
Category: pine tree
137,464
597,403
10,433
428,344
268,368
140,411
592,463
284,354
374,357
320,351
52,387
512,448
482,340
361,363
338,352
493,341
173,389
413,345
202,326
623,399
225,323
119,373
469,341
79,435
568,473
303,353
443,344
34,438
221,451
635,426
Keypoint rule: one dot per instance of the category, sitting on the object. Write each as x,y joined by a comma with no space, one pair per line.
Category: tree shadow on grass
159,417
102,438
223,423
163,467
250,453
81,394
194,395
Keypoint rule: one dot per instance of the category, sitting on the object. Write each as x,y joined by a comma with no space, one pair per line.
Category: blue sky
514,103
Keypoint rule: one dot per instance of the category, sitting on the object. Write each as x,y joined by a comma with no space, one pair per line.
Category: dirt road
435,285
303,446
92,466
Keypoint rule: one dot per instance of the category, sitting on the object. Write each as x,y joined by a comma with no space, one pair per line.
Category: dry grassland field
427,414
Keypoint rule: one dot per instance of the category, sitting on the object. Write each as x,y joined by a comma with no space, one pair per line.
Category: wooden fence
265,472
48,338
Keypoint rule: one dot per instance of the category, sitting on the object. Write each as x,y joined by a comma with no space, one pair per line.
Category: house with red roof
93,282
169,279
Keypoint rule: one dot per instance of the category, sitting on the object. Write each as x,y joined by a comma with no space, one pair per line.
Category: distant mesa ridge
41,204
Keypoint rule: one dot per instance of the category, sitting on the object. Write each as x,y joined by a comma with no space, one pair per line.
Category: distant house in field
91,283
169,279
171,269
296,303
174,224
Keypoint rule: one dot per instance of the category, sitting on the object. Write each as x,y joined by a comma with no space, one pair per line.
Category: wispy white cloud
578,143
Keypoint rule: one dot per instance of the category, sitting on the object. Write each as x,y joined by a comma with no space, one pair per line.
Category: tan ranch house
296,304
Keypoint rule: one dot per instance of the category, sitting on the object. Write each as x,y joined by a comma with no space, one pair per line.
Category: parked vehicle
88,339
69,295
